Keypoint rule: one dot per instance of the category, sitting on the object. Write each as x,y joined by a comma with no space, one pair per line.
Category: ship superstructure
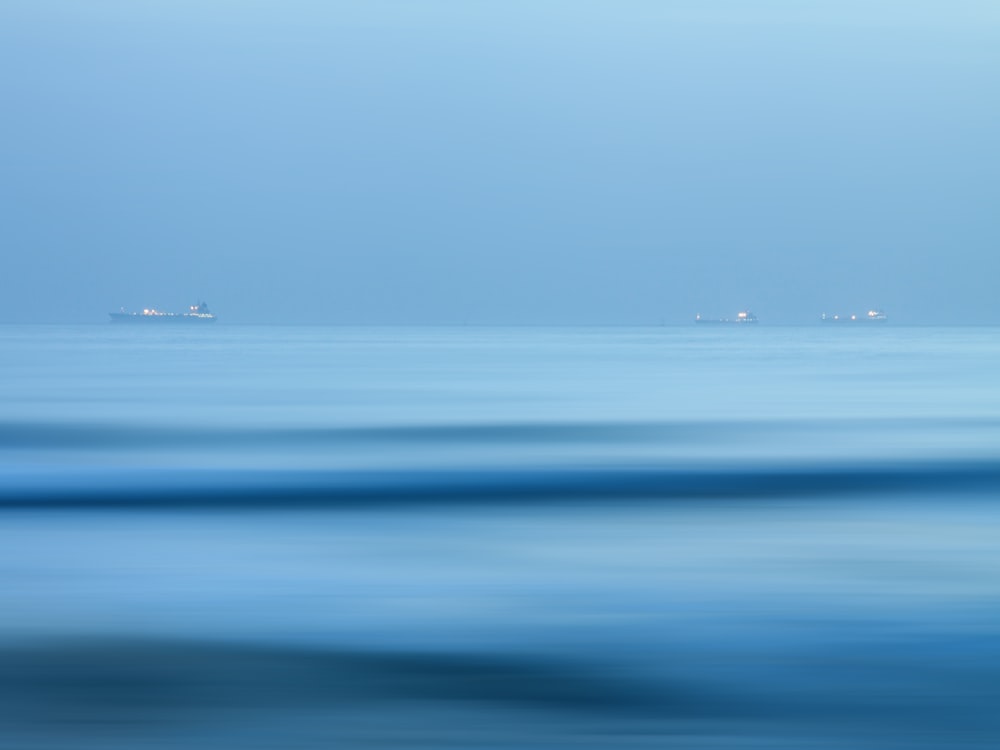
872,316
743,317
198,313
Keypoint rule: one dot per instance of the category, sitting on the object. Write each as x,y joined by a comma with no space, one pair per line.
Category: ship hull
873,316
848,321
164,319
744,318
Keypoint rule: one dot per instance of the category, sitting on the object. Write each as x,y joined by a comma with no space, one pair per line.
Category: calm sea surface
285,537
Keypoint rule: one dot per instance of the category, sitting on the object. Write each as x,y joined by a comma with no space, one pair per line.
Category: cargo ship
196,314
872,316
744,317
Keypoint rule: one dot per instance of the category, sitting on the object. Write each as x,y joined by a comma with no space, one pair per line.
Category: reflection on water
499,539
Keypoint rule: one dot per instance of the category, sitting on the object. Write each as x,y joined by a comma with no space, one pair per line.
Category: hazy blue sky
544,161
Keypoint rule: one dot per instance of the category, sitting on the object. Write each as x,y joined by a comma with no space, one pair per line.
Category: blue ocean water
487,537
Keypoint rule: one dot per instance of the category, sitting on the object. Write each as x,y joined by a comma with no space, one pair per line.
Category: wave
332,489
173,673
96,435
171,692
74,464
57,435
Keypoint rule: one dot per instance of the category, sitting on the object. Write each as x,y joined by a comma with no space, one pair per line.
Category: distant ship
743,317
196,314
872,316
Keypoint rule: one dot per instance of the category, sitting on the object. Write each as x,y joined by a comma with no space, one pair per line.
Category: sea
665,537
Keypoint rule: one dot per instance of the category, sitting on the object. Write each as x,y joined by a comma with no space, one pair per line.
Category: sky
500,162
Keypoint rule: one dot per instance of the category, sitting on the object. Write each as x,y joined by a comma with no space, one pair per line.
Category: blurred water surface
486,537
